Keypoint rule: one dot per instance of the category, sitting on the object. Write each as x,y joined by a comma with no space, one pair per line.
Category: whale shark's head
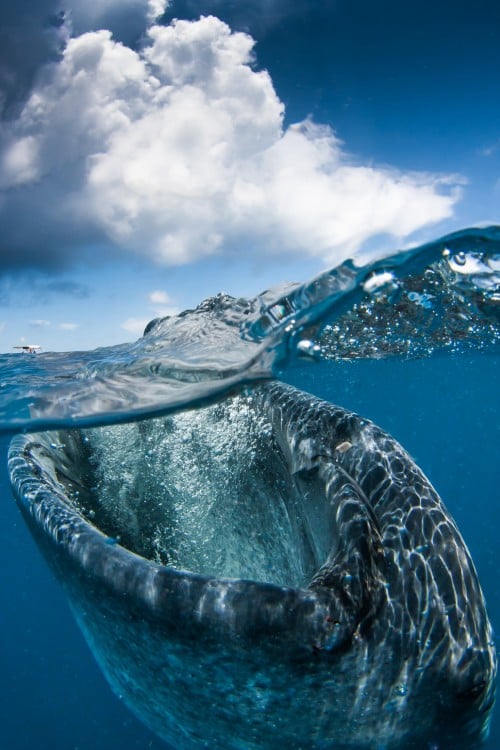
268,570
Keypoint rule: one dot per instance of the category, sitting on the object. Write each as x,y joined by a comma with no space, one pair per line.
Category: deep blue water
444,410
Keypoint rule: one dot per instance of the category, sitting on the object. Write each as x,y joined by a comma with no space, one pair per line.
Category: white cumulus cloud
162,303
135,326
178,151
159,297
33,33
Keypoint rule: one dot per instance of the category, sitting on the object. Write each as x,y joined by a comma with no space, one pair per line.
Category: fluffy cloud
34,32
159,297
178,151
162,304
135,326
125,18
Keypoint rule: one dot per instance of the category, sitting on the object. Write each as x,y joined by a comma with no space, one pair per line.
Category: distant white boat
29,348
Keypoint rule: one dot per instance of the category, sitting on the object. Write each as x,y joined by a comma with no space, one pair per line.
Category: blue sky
147,163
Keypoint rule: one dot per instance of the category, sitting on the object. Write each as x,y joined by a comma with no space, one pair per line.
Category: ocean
411,345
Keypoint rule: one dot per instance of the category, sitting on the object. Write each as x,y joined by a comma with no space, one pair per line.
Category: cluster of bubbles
199,490
453,305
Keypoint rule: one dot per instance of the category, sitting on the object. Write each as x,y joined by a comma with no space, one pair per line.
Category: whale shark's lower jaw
250,576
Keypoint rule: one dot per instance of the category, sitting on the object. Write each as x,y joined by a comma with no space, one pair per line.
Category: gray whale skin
387,645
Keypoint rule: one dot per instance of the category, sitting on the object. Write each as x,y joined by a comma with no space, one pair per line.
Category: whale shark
270,570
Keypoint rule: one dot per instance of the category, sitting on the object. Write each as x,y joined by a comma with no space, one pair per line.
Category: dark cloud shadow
35,288
34,32
31,35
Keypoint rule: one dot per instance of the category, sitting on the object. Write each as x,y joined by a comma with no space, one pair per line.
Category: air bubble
307,348
424,300
460,258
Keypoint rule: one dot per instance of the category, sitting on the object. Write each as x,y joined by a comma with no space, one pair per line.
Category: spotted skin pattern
401,564
388,647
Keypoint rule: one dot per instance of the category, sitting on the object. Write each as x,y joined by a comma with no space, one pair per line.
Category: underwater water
411,345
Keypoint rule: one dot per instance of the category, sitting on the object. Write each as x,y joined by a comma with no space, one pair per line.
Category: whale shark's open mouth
272,562
207,491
